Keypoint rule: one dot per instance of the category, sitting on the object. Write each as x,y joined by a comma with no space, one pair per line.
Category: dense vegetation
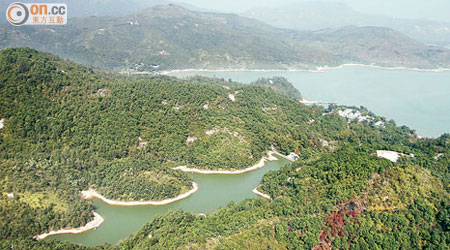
68,128
171,37
346,199
280,85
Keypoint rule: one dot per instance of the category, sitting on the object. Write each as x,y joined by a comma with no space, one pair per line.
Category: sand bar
91,194
98,220
258,165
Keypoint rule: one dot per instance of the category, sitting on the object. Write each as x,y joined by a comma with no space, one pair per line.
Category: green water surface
214,191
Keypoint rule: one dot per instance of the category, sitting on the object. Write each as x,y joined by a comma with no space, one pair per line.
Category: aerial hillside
281,85
347,199
171,37
67,128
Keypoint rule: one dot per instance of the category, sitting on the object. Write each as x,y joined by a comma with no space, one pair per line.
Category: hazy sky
424,9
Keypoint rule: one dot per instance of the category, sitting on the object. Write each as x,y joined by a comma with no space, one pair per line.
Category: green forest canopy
68,128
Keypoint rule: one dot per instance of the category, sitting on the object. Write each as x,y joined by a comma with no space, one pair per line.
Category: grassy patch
44,200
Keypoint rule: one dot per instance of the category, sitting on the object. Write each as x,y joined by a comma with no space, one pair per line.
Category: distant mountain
171,37
167,37
375,45
321,15
86,8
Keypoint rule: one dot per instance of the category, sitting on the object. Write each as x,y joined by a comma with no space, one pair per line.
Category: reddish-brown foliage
336,221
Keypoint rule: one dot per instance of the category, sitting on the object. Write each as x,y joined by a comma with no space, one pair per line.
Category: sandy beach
91,194
98,220
255,190
258,165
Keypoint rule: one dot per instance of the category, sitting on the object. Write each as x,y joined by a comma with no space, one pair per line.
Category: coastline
258,165
91,194
255,190
98,220
316,70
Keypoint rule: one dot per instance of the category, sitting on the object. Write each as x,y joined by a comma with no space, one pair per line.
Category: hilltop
170,37
280,85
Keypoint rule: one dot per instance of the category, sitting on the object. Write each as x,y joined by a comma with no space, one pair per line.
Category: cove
418,99
215,191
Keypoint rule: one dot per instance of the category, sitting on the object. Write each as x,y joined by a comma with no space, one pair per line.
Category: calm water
420,100
214,191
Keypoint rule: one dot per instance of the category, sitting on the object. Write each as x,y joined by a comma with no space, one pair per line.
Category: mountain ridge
171,37
320,15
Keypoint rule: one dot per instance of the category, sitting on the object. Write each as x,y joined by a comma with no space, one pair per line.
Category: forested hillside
346,199
68,128
168,37
280,85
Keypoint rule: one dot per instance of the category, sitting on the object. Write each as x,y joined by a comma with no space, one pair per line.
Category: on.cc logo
17,14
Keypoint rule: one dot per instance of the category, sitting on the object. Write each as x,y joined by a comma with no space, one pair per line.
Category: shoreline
316,70
258,165
98,220
92,194
257,192
322,69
